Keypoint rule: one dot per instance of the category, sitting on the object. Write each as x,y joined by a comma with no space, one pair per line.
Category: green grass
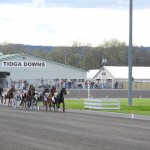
74,104
139,106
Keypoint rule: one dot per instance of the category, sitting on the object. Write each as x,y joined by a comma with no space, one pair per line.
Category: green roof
7,56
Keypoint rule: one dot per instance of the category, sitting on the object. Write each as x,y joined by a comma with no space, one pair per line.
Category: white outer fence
102,104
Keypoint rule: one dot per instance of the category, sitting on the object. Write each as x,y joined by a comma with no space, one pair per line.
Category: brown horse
49,96
9,95
28,96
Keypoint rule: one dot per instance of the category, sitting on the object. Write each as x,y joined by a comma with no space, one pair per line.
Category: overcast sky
61,22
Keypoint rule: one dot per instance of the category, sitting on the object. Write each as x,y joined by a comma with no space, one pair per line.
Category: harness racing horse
48,97
40,96
46,90
1,94
9,95
59,98
28,96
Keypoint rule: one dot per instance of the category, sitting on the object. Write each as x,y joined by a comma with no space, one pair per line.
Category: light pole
104,61
65,57
66,52
130,56
83,58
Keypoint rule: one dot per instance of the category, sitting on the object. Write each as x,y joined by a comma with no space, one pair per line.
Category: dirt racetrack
73,130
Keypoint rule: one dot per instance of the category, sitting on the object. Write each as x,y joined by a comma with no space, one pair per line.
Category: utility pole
83,58
66,52
65,57
130,56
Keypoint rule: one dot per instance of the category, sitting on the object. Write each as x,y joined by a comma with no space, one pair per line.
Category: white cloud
38,3
61,26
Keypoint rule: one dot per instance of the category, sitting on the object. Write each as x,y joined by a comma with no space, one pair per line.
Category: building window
104,73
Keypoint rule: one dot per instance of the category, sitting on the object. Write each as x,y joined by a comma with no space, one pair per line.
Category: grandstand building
35,70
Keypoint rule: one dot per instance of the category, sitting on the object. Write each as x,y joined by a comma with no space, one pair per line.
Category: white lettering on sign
24,64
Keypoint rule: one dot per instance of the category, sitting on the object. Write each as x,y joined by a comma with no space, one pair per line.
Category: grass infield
139,106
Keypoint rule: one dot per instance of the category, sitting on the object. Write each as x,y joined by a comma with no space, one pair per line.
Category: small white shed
111,74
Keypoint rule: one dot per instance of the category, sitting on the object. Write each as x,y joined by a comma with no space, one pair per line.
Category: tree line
84,56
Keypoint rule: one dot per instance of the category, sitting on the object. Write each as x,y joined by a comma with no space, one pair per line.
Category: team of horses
29,98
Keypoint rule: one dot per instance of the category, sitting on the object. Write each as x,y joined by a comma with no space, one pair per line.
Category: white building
37,70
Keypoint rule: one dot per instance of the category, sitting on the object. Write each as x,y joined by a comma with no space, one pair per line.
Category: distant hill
82,56
26,47
35,47
50,48
46,48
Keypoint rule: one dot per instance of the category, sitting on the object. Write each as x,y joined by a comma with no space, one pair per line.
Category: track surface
73,130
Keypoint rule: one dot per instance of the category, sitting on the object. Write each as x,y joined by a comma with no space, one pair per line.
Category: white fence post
88,90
